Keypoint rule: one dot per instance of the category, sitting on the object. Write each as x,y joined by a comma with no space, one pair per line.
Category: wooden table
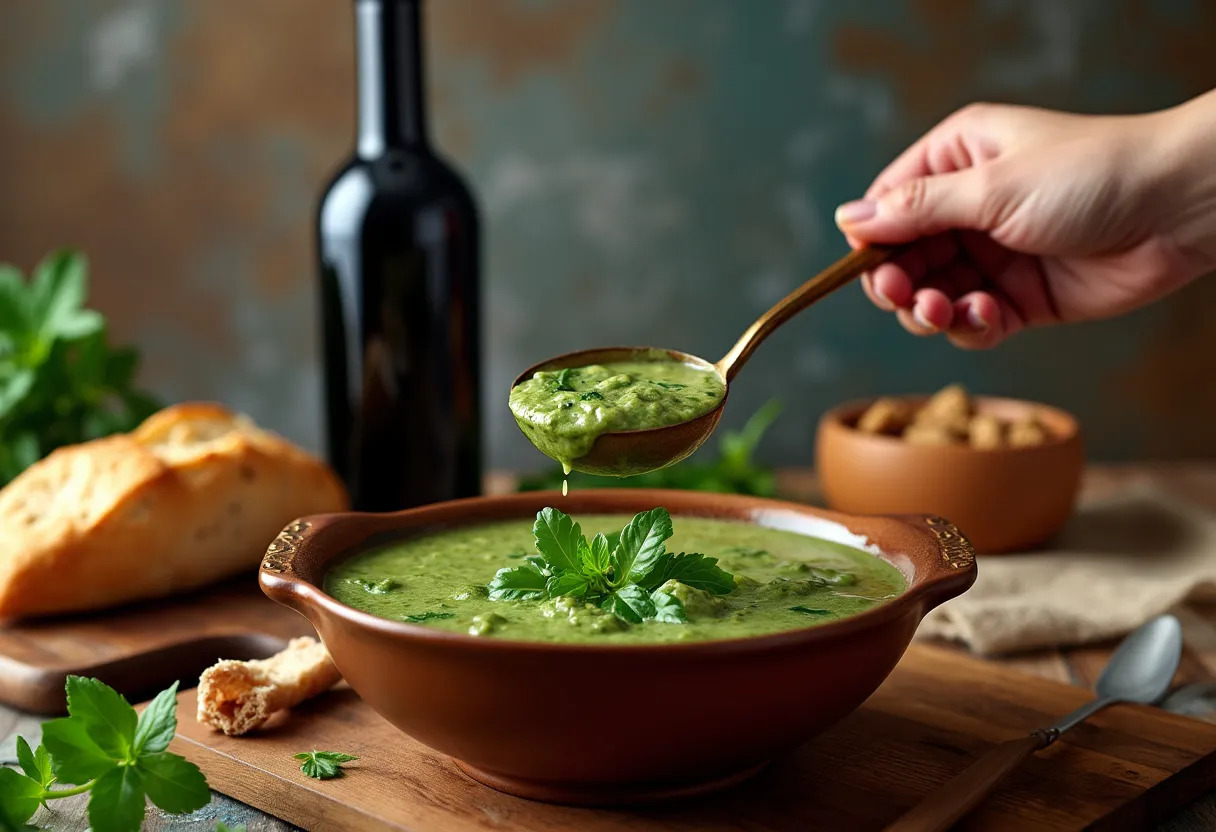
1080,666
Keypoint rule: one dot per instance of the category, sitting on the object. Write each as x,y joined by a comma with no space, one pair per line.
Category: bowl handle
954,570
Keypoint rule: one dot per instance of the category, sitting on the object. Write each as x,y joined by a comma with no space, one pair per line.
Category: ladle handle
829,280
941,809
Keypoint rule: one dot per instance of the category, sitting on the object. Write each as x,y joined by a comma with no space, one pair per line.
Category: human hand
1022,217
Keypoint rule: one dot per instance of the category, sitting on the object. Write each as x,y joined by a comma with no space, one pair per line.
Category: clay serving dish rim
1063,428
951,574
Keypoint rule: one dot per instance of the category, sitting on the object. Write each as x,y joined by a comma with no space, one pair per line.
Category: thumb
919,207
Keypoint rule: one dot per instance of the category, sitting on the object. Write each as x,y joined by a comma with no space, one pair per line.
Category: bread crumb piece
886,415
986,432
235,697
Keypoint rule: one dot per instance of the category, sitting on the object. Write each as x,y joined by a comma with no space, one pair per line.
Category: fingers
980,323
921,207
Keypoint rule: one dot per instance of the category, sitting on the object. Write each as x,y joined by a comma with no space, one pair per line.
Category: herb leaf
567,584
668,609
60,381
35,764
599,555
631,603
640,545
429,615
518,583
558,538
695,570
563,379
808,610
19,797
116,801
323,765
174,783
107,718
220,826
592,395
157,723
75,758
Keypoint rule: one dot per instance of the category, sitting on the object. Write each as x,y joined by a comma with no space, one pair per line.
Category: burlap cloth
1118,563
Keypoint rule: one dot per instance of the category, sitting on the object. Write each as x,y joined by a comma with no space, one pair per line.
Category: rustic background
666,167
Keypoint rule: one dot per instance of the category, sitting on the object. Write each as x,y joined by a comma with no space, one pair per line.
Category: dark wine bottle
398,246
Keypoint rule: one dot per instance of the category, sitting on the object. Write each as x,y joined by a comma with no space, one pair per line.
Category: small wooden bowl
1004,500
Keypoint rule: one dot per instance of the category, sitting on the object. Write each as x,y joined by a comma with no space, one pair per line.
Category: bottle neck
388,42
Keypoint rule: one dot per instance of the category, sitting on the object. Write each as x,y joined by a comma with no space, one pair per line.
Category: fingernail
919,317
975,321
884,302
857,211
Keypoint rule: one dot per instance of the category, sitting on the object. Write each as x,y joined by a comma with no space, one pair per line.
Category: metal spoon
1139,671
625,453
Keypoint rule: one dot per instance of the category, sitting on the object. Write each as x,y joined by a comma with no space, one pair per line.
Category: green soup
563,412
783,581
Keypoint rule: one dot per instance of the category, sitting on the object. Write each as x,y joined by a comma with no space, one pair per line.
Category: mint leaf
173,783
695,570
19,797
640,544
75,757
630,603
517,583
598,555
42,760
564,379
567,584
668,609
25,759
323,765
105,714
558,538
158,722
429,615
58,289
116,802
808,610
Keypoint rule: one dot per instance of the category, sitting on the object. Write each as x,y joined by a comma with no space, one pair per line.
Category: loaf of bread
193,495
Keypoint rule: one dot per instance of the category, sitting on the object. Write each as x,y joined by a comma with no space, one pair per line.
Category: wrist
1180,149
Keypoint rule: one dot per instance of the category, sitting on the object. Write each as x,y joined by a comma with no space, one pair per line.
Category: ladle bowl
630,452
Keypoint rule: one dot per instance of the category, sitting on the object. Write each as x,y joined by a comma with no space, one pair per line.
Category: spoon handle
961,794
830,279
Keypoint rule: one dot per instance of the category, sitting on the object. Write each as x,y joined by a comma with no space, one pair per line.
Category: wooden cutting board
140,649
1128,767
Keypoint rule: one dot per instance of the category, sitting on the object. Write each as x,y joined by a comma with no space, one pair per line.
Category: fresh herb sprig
733,471
323,765
624,577
60,381
102,747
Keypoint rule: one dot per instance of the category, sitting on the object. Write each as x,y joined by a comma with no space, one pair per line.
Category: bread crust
193,495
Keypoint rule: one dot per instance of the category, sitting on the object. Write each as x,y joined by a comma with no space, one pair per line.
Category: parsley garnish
103,748
808,610
323,765
591,394
563,379
622,575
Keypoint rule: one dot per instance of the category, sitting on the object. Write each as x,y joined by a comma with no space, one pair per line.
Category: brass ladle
630,452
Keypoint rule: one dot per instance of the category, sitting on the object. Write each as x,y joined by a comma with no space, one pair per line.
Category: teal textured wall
651,171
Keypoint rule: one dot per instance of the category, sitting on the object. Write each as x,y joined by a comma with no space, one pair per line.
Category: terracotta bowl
1005,499
547,721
